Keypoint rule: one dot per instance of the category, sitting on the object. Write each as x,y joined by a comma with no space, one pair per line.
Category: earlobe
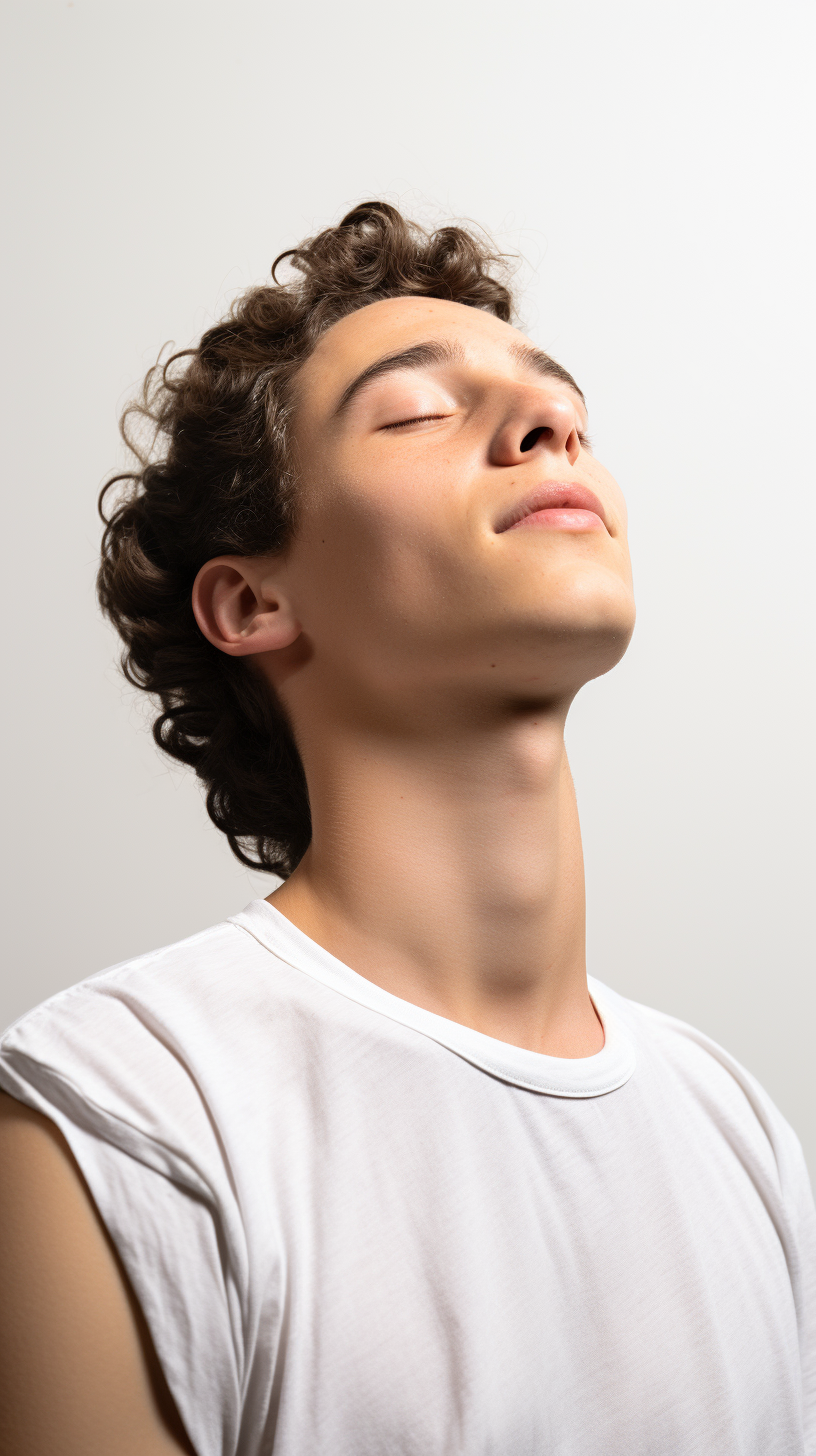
240,609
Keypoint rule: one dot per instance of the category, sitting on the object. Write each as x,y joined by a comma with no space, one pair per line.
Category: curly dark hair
217,479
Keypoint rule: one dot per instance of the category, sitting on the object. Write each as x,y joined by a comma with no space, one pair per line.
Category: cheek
374,561
397,510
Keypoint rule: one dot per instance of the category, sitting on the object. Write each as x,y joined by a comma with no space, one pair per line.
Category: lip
556,503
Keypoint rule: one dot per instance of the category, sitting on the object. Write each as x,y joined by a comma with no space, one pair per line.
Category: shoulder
692,1054
208,977
692,1077
134,1052
196,965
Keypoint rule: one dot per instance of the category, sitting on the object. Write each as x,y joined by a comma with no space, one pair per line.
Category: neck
448,870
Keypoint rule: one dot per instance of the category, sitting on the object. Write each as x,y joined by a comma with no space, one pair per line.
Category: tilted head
379,492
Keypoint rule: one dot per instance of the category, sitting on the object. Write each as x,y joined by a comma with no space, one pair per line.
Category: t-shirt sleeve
778,1168
802,1263
797,1229
137,1120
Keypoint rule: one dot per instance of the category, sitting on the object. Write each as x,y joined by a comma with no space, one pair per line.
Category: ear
240,607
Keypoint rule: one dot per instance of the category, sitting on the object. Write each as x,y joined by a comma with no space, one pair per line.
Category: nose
541,420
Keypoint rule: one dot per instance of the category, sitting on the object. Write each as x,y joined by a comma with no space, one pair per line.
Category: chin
585,637
593,602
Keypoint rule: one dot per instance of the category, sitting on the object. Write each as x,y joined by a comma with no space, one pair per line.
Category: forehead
392,324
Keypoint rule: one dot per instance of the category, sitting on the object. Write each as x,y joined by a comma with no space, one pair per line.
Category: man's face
447,537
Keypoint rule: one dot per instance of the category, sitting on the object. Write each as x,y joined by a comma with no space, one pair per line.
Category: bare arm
78,1372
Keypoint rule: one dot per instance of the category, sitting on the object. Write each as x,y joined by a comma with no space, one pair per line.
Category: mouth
556,505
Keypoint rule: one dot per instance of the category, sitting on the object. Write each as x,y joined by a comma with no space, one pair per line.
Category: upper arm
78,1372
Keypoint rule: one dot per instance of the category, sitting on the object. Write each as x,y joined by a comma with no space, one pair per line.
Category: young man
373,1167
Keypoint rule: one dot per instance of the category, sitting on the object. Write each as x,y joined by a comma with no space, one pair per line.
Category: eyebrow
443,351
540,363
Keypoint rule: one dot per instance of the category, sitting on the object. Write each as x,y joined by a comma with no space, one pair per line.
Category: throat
455,881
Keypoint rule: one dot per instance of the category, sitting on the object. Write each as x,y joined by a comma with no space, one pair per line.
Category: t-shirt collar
591,1076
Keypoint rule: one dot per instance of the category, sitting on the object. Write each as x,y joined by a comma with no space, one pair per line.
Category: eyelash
417,419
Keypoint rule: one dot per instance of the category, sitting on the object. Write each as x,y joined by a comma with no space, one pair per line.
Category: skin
427,660
78,1373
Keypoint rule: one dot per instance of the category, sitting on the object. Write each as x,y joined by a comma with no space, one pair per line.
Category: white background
650,162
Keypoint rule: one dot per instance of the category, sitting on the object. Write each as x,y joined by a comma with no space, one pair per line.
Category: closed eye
415,420
583,440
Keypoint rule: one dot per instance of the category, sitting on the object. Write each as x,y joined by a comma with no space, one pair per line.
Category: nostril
529,440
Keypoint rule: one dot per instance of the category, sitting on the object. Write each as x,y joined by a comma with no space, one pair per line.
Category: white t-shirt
359,1229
